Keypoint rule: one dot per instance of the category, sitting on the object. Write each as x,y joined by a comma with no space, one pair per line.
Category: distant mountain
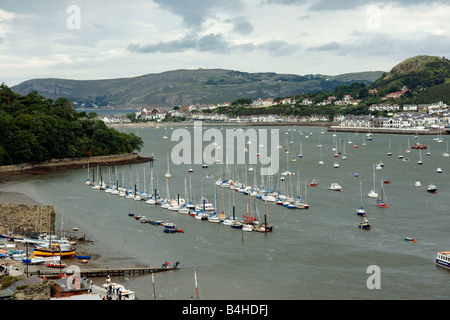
186,87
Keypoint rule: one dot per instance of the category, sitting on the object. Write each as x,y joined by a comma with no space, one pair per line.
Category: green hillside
419,74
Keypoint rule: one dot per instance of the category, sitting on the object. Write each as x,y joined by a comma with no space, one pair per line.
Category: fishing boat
443,259
51,250
335,187
432,188
418,146
365,224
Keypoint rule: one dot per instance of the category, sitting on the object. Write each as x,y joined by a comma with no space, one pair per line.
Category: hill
426,77
185,87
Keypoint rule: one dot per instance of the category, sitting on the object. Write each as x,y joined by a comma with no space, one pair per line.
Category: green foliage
34,129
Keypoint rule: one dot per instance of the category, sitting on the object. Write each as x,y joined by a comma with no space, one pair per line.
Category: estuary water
319,253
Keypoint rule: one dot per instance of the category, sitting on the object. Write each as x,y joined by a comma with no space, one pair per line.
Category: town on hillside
393,115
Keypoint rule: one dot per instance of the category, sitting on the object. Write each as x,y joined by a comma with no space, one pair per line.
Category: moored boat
443,259
432,188
56,265
365,224
52,250
335,187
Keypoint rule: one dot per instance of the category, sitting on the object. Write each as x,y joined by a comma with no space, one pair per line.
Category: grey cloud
326,47
241,25
210,42
215,43
194,12
380,44
330,5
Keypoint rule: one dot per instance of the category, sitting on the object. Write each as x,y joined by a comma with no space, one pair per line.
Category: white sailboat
373,193
420,162
300,155
445,153
321,161
360,211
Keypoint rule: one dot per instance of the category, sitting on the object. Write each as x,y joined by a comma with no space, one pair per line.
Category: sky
81,39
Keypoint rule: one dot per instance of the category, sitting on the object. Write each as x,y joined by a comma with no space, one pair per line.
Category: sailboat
266,226
445,153
373,193
360,211
293,156
389,153
321,161
400,155
88,182
300,155
420,162
299,203
381,202
168,175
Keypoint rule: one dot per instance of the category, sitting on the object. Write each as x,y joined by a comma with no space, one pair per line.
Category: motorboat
432,188
335,187
365,224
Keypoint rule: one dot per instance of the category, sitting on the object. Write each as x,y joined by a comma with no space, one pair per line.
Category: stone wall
25,220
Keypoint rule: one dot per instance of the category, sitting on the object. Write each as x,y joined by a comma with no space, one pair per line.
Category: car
3,255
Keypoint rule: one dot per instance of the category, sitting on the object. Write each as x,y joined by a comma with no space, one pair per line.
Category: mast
196,286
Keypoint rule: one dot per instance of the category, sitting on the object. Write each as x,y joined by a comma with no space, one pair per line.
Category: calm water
318,253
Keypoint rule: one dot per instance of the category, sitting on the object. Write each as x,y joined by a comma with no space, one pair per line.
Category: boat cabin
443,259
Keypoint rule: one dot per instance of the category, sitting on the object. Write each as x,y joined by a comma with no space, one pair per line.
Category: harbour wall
386,130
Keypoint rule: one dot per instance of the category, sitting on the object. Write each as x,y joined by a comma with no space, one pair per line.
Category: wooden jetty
113,272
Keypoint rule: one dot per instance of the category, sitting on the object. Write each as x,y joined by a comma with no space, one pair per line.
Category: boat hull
45,253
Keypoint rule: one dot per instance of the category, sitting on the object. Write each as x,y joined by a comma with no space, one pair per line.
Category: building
397,94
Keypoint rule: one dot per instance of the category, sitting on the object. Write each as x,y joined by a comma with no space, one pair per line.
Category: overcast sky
99,39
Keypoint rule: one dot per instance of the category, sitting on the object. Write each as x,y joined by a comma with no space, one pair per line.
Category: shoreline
26,170
102,255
